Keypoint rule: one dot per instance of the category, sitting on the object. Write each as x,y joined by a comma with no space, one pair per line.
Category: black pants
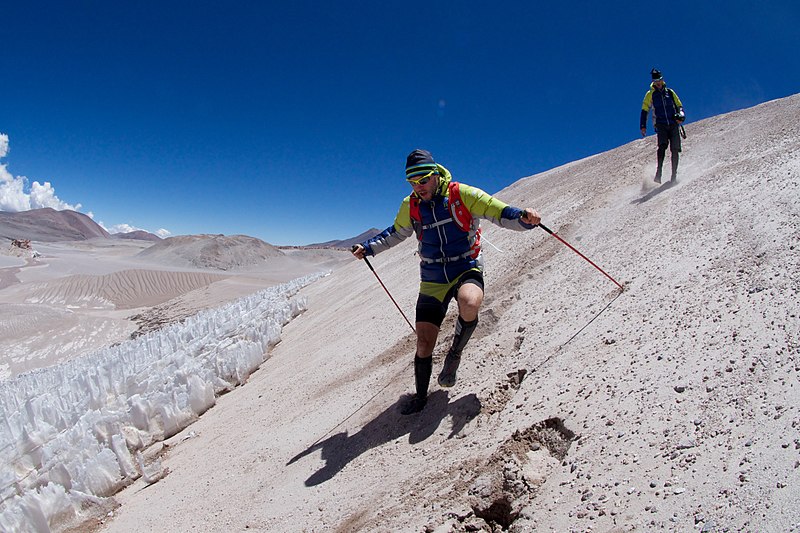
669,135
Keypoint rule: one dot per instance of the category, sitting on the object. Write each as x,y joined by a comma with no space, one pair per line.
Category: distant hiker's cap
656,74
418,163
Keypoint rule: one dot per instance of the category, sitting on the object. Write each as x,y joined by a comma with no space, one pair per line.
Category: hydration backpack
458,211
459,214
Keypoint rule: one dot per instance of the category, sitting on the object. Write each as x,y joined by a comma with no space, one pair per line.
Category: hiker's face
658,83
426,190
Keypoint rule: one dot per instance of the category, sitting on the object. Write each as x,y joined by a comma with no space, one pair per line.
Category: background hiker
667,118
445,215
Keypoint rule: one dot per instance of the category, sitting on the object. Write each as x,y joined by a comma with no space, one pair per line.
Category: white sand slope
219,252
672,406
127,289
80,296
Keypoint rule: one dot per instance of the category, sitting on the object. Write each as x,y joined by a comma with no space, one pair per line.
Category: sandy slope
76,297
220,252
672,406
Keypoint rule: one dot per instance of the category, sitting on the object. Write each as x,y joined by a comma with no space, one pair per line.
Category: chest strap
437,224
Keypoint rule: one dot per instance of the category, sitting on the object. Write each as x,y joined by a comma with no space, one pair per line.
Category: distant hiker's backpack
672,96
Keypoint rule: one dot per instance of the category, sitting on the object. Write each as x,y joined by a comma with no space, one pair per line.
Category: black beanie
656,74
419,162
418,157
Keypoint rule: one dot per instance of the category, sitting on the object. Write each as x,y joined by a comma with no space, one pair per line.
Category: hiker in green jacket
445,216
667,118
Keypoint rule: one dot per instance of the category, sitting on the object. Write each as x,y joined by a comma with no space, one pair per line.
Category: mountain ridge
49,225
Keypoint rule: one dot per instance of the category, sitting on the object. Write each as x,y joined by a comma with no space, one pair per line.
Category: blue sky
291,121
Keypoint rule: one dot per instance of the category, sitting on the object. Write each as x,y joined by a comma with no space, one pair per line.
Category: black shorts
431,309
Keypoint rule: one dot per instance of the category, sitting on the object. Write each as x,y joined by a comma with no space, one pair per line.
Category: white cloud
43,195
123,228
15,195
12,195
127,228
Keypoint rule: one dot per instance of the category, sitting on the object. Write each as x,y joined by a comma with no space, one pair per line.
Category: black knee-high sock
463,333
422,375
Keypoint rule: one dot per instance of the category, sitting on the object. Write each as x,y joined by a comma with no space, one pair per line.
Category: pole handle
354,248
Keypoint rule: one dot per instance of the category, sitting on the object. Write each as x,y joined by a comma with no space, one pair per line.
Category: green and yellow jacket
665,104
449,242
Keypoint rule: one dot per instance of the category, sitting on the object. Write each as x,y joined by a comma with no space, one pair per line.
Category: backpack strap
413,213
459,212
463,218
674,98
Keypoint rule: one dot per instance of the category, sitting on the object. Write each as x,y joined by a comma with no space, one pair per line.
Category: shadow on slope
338,450
654,192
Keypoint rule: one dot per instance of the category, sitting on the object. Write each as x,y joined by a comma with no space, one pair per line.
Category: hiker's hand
644,132
358,251
530,216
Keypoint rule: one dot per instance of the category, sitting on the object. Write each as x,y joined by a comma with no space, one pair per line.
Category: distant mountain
347,243
49,225
139,235
220,252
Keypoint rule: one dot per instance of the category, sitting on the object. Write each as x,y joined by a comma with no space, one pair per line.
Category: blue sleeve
382,236
394,234
514,213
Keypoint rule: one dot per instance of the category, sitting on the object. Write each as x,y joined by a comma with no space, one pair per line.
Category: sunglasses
422,180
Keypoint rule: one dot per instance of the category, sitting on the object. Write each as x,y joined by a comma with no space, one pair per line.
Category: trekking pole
683,132
387,292
548,230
